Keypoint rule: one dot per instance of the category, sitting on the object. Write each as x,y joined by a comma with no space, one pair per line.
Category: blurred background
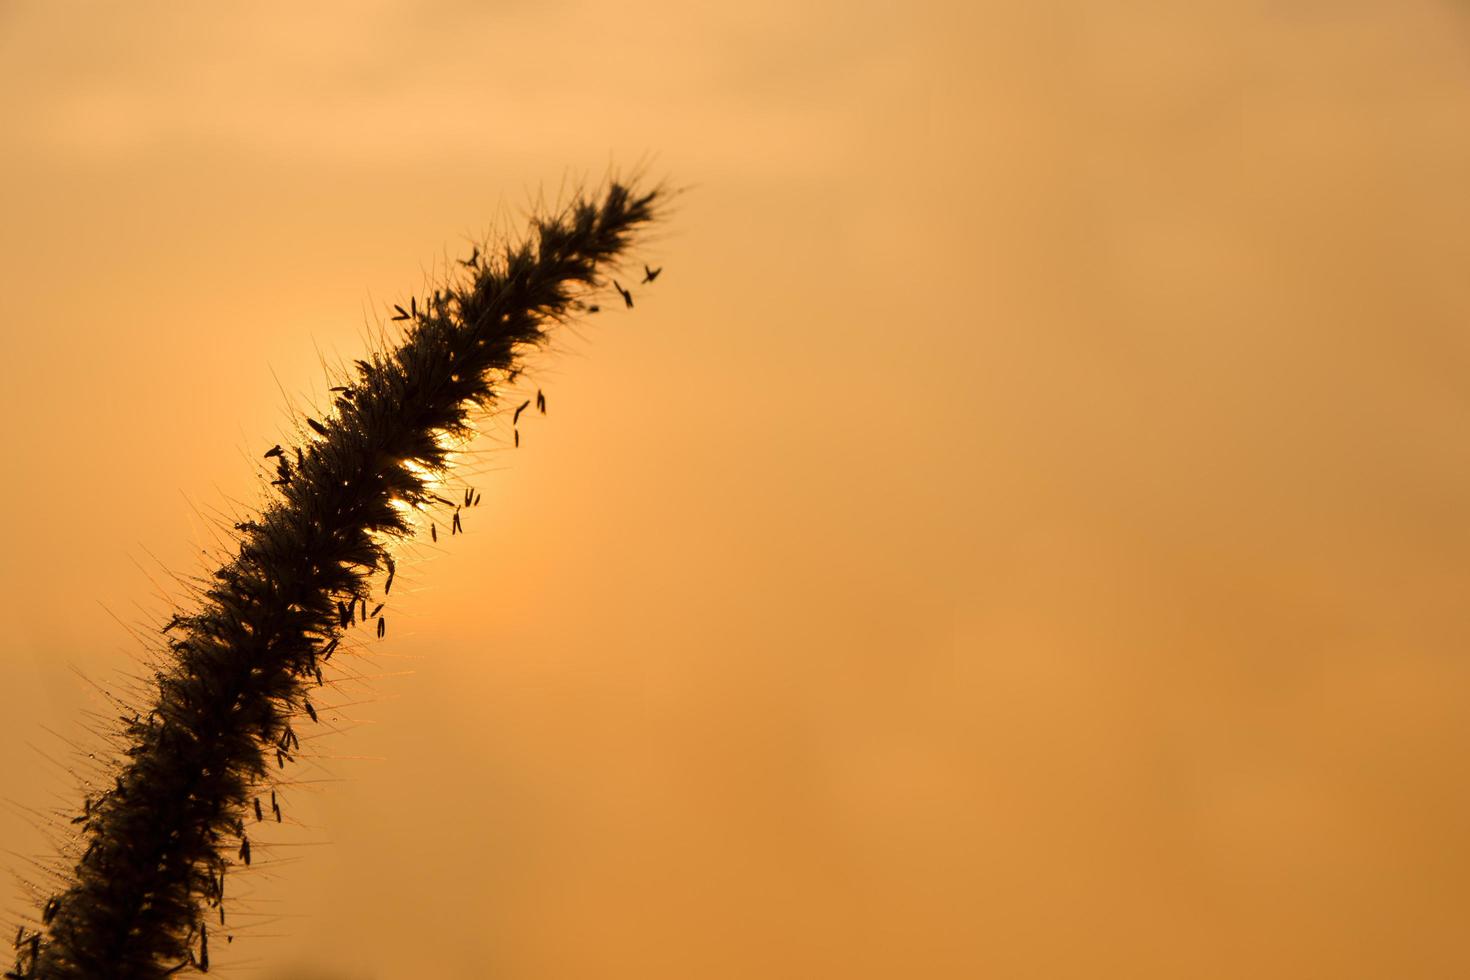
1022,533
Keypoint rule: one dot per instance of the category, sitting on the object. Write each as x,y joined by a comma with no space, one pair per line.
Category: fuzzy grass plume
161,841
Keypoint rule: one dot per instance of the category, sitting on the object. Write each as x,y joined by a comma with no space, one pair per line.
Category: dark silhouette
160,841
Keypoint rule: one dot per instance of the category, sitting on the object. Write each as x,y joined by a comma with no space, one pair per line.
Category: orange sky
1021,535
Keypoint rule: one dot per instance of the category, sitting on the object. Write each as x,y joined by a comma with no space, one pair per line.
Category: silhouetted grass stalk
160,841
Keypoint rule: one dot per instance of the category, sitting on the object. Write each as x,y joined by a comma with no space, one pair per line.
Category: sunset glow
1019,533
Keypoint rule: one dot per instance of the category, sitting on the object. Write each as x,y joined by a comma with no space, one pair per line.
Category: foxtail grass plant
159,843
